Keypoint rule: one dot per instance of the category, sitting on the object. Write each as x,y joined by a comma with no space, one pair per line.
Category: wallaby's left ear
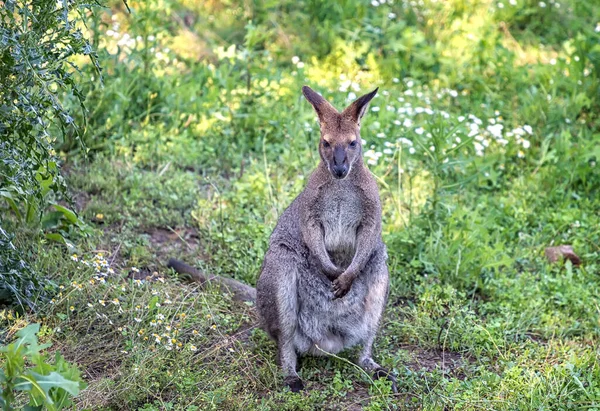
357,109
324,109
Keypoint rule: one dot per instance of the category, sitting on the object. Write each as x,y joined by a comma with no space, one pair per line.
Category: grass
486,154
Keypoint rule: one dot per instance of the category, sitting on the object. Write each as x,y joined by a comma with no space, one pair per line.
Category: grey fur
324,280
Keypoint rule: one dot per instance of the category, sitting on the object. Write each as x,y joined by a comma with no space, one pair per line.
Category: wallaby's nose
340,162
339,171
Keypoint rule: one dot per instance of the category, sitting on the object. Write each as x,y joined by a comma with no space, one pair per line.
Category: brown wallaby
324,281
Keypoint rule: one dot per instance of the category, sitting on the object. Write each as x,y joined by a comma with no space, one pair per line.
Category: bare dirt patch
429,360
169,242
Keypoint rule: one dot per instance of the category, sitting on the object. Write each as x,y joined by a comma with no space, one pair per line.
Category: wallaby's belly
330,324
341,216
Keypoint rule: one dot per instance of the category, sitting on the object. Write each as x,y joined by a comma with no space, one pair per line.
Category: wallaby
324,281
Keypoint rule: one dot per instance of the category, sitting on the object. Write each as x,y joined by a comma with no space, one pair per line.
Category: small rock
554,254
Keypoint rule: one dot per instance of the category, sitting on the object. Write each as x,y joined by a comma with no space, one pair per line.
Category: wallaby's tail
241,291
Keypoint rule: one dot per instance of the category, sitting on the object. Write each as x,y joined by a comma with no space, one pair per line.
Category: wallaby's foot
294,382
383,373
341,285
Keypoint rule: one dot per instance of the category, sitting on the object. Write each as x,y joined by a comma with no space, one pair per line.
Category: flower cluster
141,310
100,265
297,62
409,124
125,44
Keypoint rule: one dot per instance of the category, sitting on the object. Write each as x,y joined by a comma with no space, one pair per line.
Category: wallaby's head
340,146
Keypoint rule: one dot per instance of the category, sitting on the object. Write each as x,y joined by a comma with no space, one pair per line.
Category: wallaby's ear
358,108
321,106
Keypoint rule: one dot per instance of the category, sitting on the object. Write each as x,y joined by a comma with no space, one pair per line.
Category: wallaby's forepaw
332,272
383,373
295,383
341,286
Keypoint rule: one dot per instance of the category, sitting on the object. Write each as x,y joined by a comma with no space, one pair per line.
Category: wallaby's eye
353,143
326,144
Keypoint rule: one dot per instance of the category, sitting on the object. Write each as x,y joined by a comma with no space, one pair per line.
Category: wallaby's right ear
321,106
357,109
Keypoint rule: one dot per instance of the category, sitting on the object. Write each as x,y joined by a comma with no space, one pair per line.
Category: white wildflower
495,130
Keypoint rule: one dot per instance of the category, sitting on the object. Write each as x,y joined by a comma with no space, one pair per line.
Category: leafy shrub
38,40
47,385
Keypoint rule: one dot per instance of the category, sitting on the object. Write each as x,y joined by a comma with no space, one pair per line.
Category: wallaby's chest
341,214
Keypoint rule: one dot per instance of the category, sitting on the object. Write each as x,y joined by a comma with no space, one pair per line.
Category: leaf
27,335
40,385
27,339
11,202
55,237
55,380
68,214
51,220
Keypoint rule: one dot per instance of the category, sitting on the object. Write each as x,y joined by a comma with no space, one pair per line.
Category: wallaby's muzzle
339,168
339,171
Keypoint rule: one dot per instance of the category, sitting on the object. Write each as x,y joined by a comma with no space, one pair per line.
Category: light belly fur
340,223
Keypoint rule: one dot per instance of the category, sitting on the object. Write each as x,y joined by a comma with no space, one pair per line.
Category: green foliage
25,369
38,41
18,280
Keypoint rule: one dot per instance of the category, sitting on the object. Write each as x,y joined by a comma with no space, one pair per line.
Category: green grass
197,159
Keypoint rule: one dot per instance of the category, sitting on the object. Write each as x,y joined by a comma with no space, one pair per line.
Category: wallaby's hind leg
289,362
277,303
368,364
374,306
